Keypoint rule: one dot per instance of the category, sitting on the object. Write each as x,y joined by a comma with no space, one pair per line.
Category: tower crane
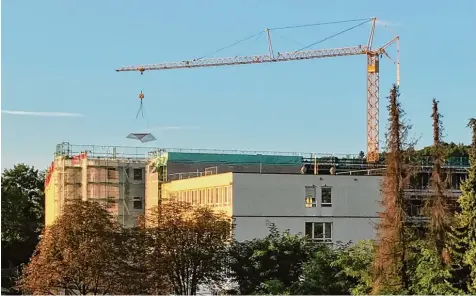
373,58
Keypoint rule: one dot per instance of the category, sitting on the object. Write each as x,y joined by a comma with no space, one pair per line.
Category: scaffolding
110,175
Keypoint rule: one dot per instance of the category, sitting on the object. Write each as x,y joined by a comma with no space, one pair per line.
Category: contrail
46,114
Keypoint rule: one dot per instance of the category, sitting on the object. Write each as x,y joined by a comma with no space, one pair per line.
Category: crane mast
373,71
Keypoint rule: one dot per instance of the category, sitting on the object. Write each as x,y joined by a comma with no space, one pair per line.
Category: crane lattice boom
372,72
255,59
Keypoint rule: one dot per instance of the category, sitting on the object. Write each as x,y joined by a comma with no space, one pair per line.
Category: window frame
138,199
324,203
325,238
310,200
111,173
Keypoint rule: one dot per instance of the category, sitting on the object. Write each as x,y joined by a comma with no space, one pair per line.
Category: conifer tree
436,206
390,266
431,274
463,243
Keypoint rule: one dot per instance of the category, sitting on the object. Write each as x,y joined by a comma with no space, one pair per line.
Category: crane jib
257,59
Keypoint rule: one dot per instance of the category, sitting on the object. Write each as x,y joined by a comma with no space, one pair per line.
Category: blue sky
60,56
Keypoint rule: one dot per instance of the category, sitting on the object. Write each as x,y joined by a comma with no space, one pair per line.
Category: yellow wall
50,204
151,188
214,191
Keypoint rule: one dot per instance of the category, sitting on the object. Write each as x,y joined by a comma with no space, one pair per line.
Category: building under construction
112,176
129,180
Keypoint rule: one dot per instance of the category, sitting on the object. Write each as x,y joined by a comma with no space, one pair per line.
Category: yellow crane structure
373,58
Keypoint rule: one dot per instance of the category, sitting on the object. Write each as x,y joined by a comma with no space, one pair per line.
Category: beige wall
151,188
214,191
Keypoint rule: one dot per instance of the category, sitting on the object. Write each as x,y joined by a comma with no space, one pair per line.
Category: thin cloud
168,128
44,114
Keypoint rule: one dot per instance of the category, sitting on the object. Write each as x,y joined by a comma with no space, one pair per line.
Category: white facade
349,214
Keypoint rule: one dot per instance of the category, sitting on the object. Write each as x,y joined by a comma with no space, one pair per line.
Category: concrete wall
281,199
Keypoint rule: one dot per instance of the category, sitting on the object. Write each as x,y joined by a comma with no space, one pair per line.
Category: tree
270,265
141,269
79,254
431,273
463,242
321,275
355,263
190,243
437,208
22,213
430,276
391,257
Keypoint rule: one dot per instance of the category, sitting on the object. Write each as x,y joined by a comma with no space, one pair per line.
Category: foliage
141,270
191,243
22,213
430,276
322,275
391,257
78,253
450,149
276,260
463,242
354,262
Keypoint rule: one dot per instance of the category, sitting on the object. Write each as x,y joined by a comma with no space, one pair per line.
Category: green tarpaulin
232,159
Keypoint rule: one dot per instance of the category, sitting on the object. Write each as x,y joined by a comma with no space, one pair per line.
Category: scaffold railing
103,151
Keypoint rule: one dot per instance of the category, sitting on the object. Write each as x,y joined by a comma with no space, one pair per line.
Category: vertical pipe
315,164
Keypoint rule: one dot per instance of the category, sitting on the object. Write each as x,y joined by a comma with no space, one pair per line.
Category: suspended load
141,97
144,138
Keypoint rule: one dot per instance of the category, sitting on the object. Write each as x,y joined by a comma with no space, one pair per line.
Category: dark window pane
328,228
137,203
318,230
326,195
137,174
309,229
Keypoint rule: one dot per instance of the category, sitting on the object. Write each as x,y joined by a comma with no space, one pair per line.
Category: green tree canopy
273,264
22,213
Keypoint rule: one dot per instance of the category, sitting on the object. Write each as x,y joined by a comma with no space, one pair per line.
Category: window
326,196
111,173
220,196
209,196
195,197
230,195
137,174
310,199
137,203
225,195
319,231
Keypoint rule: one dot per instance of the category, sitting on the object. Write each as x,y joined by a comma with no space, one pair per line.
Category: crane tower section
373,58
